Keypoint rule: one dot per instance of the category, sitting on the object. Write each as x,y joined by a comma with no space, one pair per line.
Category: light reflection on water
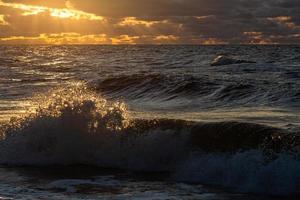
155,82
161,81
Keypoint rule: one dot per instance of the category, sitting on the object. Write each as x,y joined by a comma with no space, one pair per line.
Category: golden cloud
258,38
133,21
200,18
76,38
212,41
254,35
2,21
280,18
283,20
60,38
125,39
166,38
68,12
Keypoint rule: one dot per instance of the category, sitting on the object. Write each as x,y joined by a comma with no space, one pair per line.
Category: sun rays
53,12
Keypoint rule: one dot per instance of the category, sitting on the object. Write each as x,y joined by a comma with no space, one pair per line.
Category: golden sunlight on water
10,109
263,115
73,100
68,95
149,99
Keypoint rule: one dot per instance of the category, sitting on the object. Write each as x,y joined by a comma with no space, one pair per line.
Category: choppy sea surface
149,122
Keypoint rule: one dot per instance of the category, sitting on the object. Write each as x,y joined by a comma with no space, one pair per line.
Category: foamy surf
75,126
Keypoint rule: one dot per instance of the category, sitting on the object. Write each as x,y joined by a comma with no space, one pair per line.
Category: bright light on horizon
54,12
145,22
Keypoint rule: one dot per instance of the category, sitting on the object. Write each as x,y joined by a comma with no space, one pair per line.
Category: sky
203,22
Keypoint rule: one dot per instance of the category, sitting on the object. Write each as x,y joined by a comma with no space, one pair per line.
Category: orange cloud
61,38
280,19
76,38
54,12
258,38
204,17
212,41
125,39
283,20
253,35
133,21
2,21
166,39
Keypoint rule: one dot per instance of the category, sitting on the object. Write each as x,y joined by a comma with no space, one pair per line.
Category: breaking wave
76,126
225,60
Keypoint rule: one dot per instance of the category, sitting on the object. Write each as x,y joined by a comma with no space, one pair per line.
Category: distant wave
226,60
75,126
207,92
155,85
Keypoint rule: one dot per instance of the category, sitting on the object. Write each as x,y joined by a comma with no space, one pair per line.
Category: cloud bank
149,21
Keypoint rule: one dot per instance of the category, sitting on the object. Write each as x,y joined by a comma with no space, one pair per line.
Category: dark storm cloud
229,19
189,21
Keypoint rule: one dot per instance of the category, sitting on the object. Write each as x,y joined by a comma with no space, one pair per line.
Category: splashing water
73,125
72,116
80,106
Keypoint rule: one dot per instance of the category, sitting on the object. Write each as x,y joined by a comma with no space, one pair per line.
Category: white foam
78,127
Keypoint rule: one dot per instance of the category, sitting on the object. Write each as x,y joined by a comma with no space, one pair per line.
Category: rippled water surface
172,81
198,131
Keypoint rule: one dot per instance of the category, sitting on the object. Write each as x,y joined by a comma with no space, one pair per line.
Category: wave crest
199,90
225,60
75,103
75,126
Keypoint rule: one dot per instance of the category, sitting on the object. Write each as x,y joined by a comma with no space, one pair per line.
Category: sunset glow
142,22
54,12
150,99
2,20
133,21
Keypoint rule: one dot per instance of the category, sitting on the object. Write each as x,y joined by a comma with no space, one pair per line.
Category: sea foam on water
74,125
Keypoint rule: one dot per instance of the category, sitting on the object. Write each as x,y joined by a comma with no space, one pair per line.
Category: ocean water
149,122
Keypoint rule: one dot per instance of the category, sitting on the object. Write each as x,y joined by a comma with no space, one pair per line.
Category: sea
150,122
